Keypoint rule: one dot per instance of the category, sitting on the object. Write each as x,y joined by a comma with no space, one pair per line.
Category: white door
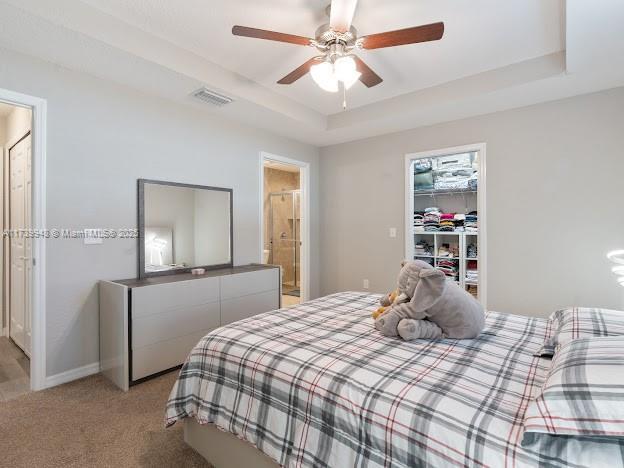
20,246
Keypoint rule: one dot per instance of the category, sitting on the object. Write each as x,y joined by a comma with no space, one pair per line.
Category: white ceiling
480,35
494,56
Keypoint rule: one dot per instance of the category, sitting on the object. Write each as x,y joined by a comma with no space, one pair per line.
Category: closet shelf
432,193
437,257
444,233
438,233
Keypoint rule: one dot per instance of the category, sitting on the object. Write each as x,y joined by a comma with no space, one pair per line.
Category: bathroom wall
276,180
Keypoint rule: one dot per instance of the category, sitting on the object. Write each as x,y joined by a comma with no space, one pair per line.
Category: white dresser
149,326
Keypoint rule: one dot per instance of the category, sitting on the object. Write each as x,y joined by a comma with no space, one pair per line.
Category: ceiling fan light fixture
324,76
355,76
345,69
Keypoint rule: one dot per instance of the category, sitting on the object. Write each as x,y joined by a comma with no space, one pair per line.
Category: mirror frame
141,223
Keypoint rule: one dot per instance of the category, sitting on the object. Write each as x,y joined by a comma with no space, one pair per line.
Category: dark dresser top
173,278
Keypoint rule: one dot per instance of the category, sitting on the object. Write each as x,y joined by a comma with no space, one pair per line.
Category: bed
316,385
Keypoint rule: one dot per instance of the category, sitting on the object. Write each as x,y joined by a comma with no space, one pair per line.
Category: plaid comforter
316,385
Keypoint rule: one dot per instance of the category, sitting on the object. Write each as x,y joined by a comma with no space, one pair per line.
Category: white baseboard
73,374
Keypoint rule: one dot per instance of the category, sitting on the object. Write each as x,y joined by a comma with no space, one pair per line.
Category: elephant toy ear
430,289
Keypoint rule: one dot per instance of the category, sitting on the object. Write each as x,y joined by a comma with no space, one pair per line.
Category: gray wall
554,203
103,137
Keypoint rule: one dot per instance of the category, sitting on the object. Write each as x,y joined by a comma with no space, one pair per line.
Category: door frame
38,131
481,205
304,186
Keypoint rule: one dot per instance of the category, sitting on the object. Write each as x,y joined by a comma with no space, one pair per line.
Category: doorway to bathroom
284,223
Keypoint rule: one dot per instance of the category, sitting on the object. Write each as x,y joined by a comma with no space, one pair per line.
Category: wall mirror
183,226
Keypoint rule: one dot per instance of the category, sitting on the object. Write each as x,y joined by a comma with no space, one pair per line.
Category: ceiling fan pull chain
344,97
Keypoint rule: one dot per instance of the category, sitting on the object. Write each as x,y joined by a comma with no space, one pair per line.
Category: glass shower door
285,233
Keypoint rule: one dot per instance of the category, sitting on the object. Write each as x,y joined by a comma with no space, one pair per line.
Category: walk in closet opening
445,214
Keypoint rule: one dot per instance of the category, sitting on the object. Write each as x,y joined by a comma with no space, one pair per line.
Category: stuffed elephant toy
433,307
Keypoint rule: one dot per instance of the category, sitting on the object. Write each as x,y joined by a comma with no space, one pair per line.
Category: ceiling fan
336,41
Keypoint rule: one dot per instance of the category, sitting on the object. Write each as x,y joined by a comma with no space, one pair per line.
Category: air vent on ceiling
216,99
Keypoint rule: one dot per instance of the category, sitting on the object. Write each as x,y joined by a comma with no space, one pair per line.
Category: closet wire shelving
456,200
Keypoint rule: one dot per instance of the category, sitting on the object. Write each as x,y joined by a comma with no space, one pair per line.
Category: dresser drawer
164,355
158,298
240,308
154,328
252,282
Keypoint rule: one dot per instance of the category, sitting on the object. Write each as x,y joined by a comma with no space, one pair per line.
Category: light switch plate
393,232
365,284
92,237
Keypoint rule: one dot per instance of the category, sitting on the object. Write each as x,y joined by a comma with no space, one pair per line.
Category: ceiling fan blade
369,77
298,72
341,14
426,33
270,35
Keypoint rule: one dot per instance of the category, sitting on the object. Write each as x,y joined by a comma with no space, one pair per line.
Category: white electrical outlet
393,232
365,284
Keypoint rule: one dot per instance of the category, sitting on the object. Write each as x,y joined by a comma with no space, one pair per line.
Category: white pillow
579,322
584,392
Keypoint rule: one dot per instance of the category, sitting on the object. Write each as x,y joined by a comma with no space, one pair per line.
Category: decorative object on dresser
148,326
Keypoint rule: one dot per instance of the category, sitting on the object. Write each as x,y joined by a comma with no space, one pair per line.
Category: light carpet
91,423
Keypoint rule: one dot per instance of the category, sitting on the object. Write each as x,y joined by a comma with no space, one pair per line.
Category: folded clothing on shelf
432,219
450,268
472,271
447,225
444,251
422,165
449,181
448,250
452,172
470,278
423,248
471,251
419,221
471,222
447,222
458,222
423,175
473,181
